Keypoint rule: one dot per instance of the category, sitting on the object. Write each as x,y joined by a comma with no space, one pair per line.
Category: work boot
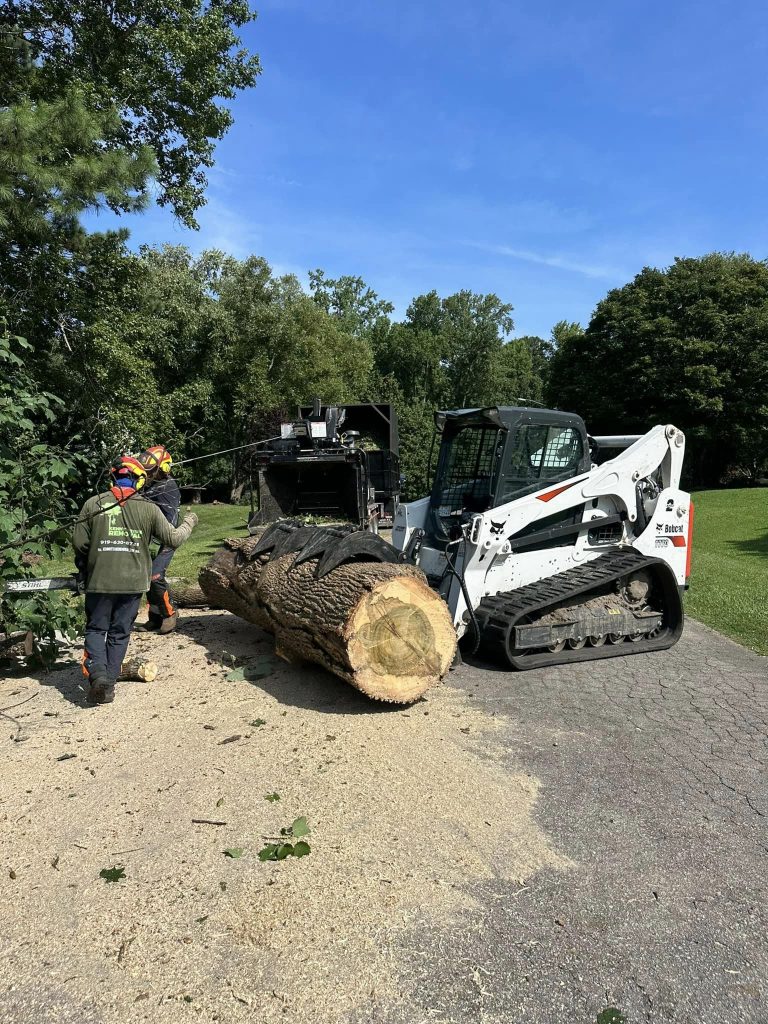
101,689
152,625
168,625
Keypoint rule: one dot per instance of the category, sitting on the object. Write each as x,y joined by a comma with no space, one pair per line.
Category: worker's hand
190,520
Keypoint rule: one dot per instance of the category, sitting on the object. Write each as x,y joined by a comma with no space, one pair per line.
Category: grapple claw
356,547
323,537
330,545
277,536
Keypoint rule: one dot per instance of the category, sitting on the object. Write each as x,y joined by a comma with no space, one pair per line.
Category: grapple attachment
356,547
284,537
332,546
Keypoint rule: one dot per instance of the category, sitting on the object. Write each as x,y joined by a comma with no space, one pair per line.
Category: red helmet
127,465
155,458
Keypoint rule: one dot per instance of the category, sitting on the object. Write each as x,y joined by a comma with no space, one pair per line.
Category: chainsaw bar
36,586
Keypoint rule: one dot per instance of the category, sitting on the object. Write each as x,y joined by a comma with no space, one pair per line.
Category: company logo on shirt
115,524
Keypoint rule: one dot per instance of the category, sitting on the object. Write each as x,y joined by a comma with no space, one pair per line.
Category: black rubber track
497,616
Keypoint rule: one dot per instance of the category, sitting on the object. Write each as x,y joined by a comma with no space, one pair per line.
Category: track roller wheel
576,645
596,641
556,648
615,638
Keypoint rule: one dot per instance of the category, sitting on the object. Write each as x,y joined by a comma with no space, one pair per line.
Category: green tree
352,302
447,353
563,332
54,165
686,345
272,347
166,68
447,350
520,373
100,97
33,479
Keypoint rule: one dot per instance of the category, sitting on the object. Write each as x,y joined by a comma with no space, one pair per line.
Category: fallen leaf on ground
300,828
112,874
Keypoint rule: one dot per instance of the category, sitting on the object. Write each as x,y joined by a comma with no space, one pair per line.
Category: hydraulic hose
454,572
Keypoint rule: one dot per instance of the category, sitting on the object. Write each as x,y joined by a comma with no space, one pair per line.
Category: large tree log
377,626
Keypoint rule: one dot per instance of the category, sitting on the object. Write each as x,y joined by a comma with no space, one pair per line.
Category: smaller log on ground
138,672
377,626
187,594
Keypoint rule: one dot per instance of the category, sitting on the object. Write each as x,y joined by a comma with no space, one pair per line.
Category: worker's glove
190,520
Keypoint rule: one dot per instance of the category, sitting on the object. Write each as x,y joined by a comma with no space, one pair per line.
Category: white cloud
222,227
574,266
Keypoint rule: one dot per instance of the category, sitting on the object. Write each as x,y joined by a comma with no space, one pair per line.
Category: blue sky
544,151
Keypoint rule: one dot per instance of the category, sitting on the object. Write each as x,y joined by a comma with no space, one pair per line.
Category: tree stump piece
138,672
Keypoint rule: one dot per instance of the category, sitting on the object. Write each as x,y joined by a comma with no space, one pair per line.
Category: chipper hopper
335,462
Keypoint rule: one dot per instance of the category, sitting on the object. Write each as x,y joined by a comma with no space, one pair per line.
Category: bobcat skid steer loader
545,553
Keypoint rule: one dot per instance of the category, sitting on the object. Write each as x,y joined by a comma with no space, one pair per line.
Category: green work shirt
115,536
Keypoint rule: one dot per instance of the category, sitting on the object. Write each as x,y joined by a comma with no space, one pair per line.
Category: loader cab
492,456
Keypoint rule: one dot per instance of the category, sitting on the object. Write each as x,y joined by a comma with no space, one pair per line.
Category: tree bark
377,626
187,594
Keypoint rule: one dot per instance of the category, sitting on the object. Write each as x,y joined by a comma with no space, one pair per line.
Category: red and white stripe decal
549,495
678,541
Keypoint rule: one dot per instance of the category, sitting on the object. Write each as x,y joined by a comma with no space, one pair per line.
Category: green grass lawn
729,581
217,522
729,571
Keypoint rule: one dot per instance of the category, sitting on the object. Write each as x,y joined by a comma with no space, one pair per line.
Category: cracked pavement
653,781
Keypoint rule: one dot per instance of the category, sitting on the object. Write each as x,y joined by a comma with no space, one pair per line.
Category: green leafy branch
280,849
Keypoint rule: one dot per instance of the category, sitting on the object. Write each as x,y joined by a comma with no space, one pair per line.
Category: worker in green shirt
112,549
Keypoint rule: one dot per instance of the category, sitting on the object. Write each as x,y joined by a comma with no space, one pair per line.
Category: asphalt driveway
653,781
584,845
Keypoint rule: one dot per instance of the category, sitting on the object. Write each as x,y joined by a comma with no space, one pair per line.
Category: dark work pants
108,622
160,599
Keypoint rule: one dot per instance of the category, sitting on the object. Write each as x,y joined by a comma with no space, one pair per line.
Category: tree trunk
187,594
377,626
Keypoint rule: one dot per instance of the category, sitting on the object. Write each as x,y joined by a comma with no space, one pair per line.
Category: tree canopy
686,345
157,75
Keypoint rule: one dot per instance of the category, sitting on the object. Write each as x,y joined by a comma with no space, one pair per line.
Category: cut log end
399,640
138,672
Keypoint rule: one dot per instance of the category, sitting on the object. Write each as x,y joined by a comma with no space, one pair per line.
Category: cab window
538,454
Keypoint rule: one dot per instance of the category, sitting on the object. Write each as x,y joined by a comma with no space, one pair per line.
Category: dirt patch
408,807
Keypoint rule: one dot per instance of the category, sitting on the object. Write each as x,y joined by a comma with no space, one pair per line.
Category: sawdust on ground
408,808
